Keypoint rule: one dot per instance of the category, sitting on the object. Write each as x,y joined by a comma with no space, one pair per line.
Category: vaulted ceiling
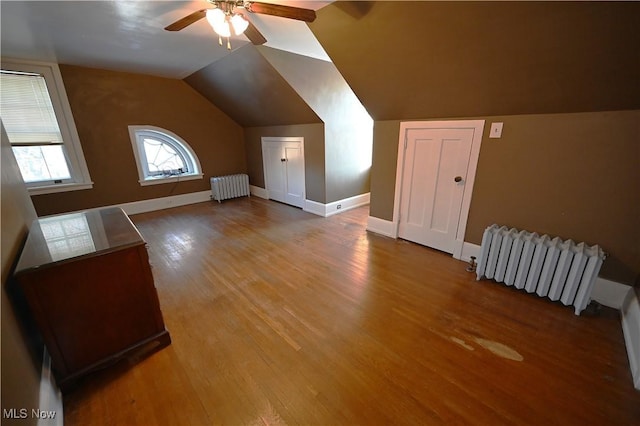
247,87
404,60
128,35
408,60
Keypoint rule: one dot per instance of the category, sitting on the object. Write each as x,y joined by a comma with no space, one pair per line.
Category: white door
436,163
274,171
294,171
283,160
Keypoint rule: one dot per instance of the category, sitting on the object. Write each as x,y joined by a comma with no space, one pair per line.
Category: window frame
145,177
80,177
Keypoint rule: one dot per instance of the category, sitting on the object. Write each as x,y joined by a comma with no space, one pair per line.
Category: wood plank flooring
281,317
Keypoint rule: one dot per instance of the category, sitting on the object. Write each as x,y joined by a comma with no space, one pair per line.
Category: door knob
458,179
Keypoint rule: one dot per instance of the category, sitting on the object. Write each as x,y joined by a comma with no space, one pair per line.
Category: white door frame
280,139
478,128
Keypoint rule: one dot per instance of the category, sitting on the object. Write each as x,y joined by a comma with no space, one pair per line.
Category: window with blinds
32,128
41,133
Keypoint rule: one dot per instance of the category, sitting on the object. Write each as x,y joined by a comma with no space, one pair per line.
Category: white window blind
26,110
37,121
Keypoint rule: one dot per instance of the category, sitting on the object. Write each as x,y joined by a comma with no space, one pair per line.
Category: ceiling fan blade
307,15
254,35
187,20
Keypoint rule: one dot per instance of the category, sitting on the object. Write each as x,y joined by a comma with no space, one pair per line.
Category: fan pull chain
228,42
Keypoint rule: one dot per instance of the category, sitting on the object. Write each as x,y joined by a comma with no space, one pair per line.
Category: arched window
162,156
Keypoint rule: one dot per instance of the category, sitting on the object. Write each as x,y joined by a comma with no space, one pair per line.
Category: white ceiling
130,35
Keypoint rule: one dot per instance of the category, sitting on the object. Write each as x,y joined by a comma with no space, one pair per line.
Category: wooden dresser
88,282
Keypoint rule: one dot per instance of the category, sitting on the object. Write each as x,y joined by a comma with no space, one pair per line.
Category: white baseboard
50,400
381,226
609,293
348,204
319,209
336,207
144,206
315,208
259,192
468,250
322,209
630,313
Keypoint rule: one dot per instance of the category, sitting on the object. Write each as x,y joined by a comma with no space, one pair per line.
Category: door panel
421,167
295,174
431,199
275,178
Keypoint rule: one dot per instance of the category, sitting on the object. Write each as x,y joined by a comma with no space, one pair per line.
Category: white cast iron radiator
561,270
231,186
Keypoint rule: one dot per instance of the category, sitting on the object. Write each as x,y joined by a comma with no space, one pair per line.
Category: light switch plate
496,130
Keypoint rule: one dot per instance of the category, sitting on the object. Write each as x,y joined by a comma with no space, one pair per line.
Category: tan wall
348,127
20,356
410,60
571,175
383,169
313,155
256,95
105,102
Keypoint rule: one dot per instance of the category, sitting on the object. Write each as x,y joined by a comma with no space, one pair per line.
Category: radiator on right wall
550,267
630,313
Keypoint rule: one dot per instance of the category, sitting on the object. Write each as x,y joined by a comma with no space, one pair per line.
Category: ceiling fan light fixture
224,23
239,24
223,18
223,30
215,17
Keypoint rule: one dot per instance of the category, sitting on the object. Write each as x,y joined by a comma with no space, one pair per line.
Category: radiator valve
472,264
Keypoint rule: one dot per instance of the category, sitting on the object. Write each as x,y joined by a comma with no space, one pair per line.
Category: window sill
171,179
61,187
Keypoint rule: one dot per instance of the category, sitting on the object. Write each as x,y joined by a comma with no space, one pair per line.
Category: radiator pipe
472,264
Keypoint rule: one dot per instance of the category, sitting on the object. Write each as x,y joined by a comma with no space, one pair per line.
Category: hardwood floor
278,316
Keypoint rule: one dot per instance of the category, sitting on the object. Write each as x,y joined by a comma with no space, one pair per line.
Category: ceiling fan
228,17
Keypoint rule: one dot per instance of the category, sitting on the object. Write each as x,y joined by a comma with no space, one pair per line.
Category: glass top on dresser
62,237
